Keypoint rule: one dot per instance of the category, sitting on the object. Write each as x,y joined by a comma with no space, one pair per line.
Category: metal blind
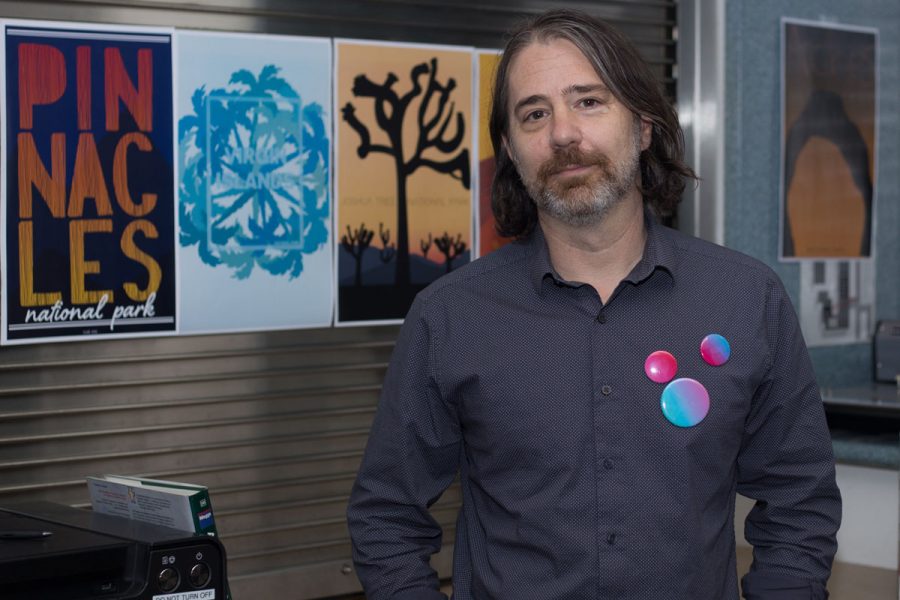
274,423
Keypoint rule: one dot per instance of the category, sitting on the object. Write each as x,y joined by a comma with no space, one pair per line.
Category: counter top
873,399
865,424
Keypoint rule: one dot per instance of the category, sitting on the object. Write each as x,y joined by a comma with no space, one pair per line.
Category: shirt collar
659,252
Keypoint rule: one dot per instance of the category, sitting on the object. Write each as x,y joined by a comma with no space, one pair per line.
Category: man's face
575,146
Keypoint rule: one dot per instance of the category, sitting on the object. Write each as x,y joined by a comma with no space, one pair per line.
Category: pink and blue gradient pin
715,350
685,401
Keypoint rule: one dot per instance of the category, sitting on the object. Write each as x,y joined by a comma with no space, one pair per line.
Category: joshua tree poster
404,190
254,164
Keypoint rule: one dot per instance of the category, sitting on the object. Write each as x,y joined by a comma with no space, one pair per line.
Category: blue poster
88,209
254,205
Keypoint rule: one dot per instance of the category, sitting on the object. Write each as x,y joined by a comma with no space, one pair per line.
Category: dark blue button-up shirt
574,483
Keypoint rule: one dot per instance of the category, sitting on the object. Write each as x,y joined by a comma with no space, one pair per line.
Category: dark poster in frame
829,140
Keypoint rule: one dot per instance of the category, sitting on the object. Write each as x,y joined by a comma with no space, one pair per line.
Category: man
604,386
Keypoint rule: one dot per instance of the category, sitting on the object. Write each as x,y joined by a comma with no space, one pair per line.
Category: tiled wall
753,129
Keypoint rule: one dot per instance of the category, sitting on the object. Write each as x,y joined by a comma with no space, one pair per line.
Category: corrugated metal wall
274,423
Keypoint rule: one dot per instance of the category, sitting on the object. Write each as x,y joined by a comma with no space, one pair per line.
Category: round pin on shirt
660,366
715,350
685,402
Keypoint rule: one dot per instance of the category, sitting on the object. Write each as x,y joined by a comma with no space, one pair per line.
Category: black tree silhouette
425,246
450,247
387,249
435,114
356,242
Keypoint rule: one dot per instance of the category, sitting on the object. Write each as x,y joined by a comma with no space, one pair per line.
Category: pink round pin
660,366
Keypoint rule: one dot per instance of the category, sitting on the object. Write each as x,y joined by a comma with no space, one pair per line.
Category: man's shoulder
499,267
703,255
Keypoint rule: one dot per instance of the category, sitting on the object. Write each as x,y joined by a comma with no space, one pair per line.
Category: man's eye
590,103
535,115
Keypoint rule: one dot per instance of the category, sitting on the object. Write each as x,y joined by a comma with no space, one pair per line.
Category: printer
54,552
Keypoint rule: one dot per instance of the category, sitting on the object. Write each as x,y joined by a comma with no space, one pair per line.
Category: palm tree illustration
434,136
253,169
275,214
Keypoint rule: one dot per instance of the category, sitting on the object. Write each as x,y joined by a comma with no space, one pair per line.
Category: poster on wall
829,145
403,195
486,62
88,184
254,209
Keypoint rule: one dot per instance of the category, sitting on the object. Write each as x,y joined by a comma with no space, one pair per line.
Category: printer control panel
185,573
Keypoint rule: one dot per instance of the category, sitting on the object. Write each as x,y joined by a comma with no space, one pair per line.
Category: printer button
200,575
168,579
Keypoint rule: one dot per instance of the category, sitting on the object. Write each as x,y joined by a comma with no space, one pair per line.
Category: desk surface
865,424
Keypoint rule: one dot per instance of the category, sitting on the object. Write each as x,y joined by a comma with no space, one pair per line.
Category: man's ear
646,133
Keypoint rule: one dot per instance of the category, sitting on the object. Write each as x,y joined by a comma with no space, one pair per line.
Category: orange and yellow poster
403,197
87,206
829,137
488,239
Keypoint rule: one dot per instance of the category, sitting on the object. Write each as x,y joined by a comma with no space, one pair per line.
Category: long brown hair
628,77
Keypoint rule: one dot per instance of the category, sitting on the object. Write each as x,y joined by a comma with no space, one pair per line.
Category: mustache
568,157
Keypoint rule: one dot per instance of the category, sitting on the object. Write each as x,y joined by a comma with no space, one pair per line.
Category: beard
584,199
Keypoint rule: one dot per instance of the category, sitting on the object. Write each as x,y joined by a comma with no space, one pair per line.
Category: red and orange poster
403,180
829,140
488,239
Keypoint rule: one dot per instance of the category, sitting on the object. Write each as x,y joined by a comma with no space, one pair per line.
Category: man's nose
564,130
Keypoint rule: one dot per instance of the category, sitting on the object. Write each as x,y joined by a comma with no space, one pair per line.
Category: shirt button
601,318
607,464
606,390
611,539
